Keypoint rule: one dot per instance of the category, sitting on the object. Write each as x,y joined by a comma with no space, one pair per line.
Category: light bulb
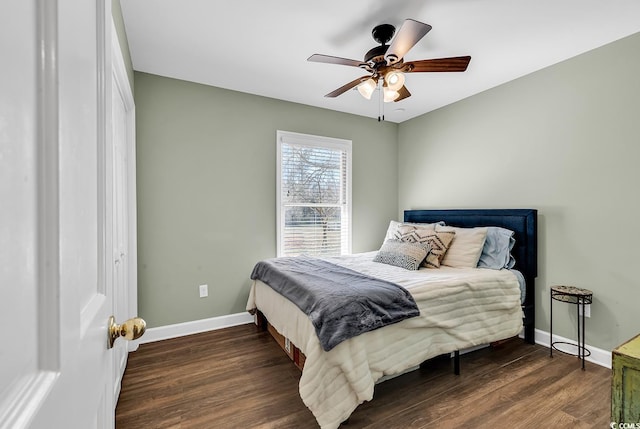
390,95
366,88
394,80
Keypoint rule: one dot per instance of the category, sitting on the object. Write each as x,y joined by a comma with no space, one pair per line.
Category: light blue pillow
496,253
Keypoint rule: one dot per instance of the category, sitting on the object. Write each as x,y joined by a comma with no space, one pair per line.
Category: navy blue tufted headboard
524,222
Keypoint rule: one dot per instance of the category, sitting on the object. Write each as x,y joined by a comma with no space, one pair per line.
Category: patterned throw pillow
438,241
402,254
394,225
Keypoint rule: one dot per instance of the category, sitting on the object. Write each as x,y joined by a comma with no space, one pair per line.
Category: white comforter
459,308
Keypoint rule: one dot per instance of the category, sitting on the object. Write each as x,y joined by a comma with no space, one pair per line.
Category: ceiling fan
386,64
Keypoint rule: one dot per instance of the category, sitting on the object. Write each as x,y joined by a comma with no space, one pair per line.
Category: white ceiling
261,47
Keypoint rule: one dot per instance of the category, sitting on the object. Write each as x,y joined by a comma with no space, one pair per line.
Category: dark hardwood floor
240,378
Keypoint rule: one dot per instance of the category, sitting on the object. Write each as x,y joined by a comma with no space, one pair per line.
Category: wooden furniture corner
625,384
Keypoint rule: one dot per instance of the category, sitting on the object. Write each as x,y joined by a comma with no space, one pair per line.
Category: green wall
564,140
206,165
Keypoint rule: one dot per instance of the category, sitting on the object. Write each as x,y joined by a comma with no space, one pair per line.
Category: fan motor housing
383,33
376,55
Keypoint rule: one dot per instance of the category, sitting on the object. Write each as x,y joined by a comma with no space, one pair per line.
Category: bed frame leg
261,321
530,334
456,362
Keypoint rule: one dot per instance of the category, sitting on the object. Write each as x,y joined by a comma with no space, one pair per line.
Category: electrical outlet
204,291
287,345
587,310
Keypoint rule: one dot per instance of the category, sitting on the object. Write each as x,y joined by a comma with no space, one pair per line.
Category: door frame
121,84
121,80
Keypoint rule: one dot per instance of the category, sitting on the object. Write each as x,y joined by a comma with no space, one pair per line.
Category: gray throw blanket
340,302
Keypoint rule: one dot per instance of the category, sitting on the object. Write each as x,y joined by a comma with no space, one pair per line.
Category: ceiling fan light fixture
386,66
366,88
389,94
394,80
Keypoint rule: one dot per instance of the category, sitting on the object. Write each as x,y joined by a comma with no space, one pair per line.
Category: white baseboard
194,327
598,356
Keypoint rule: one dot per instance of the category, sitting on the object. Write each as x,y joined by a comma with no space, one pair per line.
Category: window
313,195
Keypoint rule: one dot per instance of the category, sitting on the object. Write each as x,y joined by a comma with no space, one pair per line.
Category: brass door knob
132,329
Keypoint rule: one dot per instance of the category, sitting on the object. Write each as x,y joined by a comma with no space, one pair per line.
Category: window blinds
314,195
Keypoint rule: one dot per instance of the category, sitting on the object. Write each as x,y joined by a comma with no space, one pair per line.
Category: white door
56,233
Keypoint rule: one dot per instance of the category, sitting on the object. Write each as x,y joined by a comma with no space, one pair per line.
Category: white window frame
288,137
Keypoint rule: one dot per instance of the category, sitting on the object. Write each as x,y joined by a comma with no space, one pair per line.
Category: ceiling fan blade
319,58
453,64
347,87
404,93
410,33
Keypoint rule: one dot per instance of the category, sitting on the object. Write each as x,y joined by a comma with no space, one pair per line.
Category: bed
497,306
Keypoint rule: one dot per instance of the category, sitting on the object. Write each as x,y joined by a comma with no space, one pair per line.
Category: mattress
459,308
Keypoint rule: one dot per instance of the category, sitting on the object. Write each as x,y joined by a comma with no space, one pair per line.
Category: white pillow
466,247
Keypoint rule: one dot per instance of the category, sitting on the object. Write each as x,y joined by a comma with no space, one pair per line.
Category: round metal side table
581,298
